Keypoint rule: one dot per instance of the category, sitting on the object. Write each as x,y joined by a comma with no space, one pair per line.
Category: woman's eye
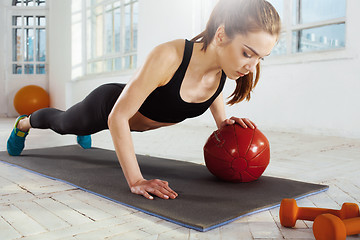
247,55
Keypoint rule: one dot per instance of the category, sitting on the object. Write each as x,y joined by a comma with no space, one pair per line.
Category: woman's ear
220,35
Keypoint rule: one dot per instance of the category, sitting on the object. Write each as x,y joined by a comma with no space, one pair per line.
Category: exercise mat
204,202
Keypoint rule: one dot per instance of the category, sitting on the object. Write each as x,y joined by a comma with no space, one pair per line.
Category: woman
179,79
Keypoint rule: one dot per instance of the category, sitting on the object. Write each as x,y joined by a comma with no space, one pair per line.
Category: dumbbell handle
309,214
352,225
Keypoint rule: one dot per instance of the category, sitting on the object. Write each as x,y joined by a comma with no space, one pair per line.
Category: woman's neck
204,62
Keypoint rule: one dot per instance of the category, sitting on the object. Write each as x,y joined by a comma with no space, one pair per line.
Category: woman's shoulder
174,46
170,52
164,60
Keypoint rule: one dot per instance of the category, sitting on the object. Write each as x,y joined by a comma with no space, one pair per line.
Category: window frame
25,6
90,48
296,57
31,11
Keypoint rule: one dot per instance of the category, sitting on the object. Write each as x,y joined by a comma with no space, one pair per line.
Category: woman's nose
251,66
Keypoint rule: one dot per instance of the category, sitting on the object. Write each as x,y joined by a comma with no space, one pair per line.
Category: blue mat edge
155,215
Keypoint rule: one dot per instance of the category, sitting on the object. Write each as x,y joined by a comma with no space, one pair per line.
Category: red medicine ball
237,154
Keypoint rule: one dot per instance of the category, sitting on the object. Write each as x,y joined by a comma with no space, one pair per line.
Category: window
28,3
310,26
111,35
28,39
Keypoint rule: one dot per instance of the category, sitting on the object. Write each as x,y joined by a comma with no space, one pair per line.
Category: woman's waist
140,123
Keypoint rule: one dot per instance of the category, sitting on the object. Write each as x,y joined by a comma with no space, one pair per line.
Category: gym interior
305,103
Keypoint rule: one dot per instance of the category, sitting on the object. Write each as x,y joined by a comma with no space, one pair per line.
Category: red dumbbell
331,227
290,212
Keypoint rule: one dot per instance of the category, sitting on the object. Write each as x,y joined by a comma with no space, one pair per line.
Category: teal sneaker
16,141
84,141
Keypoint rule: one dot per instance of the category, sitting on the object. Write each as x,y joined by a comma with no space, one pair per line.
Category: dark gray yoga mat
204,202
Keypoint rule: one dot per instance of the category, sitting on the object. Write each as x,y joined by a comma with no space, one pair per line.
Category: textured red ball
237,154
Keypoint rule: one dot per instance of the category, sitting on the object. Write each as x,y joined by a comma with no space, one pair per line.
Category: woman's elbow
112,118
109,120
116,118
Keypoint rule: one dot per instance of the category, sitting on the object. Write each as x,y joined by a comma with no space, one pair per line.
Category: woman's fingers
249,123
166,190
161,193
230,121
169,192
155,187
253,124
172,194
147,195
244,122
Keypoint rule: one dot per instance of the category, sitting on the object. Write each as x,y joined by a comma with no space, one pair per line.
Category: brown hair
241,17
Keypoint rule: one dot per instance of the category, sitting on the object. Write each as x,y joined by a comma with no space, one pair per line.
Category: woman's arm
155,72
217,109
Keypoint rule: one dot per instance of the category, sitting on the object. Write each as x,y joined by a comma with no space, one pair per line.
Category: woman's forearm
124,148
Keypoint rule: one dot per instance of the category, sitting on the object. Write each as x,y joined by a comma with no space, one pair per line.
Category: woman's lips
240,74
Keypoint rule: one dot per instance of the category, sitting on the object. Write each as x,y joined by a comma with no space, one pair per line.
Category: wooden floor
34,207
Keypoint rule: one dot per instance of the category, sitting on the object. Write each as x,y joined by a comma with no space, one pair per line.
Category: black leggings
84,118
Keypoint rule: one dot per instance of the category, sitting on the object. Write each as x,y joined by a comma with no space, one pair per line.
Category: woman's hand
244,122
155,186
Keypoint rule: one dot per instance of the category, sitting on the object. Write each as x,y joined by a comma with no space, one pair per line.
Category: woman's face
241,55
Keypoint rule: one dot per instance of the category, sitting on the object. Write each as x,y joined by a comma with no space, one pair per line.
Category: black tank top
165,104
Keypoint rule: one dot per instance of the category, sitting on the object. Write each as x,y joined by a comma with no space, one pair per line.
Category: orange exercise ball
30,99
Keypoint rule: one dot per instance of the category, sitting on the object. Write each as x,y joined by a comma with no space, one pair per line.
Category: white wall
3,99
162,20
314,97
59,40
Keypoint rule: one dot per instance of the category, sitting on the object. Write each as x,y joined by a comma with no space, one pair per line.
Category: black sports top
165,104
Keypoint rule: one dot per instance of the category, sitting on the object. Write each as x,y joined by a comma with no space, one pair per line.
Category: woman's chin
233,77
